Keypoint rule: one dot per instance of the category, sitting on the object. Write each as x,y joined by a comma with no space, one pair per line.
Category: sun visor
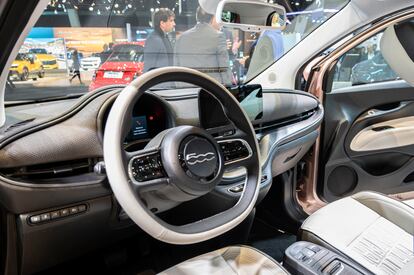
397,48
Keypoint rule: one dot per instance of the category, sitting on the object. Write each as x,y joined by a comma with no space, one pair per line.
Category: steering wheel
181,163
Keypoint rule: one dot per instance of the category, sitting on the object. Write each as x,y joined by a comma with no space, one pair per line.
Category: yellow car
49,61
26,66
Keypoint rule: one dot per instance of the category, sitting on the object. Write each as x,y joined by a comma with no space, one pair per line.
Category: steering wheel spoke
145,168
236,152
150,185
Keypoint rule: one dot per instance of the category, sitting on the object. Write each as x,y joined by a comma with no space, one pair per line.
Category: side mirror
249,15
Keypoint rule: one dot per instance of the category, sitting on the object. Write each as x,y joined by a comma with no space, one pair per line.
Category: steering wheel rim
120,178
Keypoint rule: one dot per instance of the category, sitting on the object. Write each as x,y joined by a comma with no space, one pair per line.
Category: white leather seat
374,230
240,260
410,203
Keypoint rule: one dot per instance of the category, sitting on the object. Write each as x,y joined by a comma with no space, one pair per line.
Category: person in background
233,45
107,51
204,47
76,67
158,50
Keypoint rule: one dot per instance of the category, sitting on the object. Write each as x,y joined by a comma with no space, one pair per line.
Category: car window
80,46
38,51
126,53
363,64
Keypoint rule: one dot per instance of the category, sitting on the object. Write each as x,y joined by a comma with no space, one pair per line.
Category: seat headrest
397,48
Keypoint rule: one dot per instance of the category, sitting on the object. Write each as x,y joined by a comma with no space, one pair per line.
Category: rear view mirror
250,15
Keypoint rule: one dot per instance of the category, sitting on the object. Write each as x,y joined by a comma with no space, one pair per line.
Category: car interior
175,172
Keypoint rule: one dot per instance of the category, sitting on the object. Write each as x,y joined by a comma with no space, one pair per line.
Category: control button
305,258
64,212
234,150
299,256
321,254
73,210
54,215
307,252
336,268
45,217
228,133
147,168
35,219
237,189
314,248
311,262
318,265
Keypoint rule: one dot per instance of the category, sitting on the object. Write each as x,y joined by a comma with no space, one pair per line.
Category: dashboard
52,157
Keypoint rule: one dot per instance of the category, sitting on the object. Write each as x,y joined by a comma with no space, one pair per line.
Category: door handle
377,112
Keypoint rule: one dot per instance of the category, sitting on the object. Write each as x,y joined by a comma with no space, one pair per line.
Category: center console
308,258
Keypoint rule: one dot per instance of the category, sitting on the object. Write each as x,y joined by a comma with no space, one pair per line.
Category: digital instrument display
139,128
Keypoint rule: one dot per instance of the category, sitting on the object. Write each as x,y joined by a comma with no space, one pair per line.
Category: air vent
50,171
19,124
271,125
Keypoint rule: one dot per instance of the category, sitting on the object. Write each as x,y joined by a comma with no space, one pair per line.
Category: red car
123,65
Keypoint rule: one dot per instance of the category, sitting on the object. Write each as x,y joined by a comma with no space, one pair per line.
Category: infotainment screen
211,111
251,99
139,128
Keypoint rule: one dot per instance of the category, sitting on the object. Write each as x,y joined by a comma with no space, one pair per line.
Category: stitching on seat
379,217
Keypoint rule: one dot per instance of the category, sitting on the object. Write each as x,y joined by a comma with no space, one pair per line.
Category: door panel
385,135
368,140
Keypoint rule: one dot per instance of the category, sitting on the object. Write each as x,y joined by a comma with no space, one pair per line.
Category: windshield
78,45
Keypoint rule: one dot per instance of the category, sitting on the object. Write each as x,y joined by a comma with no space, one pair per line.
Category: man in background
158,51
204,47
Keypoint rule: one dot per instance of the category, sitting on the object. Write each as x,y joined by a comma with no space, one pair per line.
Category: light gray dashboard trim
277,138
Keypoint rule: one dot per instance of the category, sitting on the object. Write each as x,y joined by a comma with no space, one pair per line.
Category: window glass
363,64
79,46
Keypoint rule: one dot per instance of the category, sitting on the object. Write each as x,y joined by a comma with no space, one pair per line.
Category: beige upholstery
240,260
410,202
399,134
372,229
